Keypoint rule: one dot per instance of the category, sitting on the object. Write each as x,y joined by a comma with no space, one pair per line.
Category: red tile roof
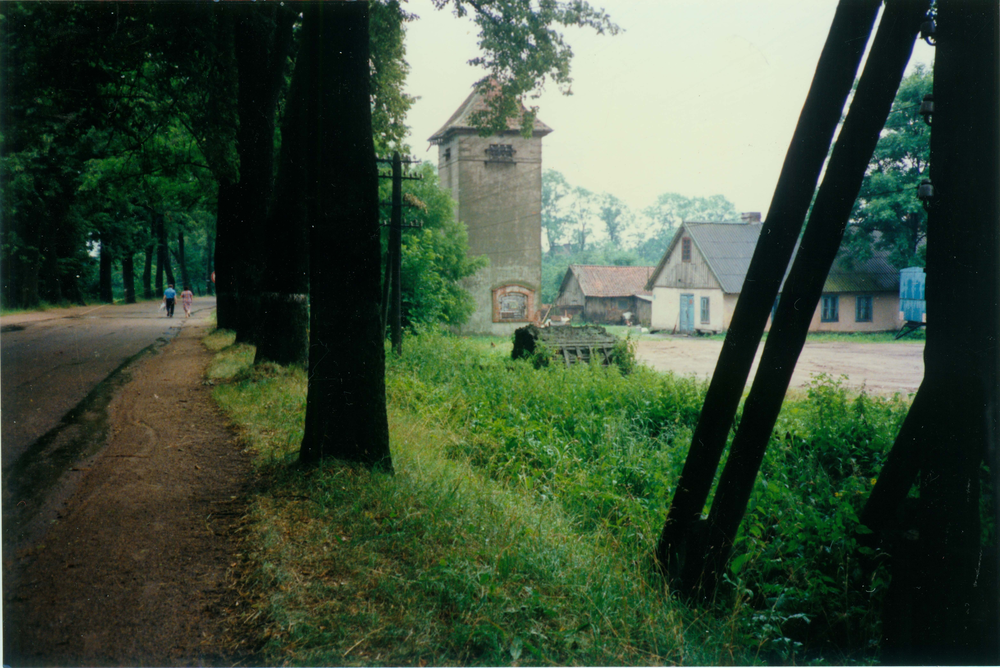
610,281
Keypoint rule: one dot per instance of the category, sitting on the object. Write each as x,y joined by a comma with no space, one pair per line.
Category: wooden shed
605,294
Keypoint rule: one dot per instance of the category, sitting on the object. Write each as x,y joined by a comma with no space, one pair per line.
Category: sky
697,97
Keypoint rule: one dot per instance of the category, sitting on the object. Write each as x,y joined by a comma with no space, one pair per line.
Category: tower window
500,153
447,154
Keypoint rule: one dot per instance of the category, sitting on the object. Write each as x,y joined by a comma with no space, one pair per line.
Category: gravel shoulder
134,568
881,368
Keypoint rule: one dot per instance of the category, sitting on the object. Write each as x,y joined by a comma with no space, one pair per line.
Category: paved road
51,360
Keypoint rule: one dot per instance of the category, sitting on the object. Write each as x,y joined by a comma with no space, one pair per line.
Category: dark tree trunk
835,72
147,272
159,234
282,331
209,255
104,272
181,262
944,594
227,257
345,407
128,277
262,38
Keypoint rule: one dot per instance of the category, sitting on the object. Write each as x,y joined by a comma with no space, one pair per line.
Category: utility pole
392,292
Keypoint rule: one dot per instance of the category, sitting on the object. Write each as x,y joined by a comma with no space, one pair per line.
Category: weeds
520,524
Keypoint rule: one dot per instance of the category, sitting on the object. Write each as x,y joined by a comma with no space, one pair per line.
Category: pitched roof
728,248
461,120
609,281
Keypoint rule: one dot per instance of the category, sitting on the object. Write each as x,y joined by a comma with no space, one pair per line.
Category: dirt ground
134,570
881,368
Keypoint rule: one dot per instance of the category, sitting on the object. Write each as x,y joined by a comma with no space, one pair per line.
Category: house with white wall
699,279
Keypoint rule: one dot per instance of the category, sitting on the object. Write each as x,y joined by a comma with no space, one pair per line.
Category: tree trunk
104,272
147,272
227,230
345,407
262,37
209,254
161,251
282,328
945,595
128,277
181,262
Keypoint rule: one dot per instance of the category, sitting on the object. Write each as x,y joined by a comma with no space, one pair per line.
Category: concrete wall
500,205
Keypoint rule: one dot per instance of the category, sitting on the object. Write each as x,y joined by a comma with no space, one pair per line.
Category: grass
437,564
519,525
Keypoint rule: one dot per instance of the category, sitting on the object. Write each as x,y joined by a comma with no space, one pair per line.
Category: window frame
830,309
869,303
685,249
706,312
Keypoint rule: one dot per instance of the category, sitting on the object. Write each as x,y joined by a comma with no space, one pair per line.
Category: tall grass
438,564
520,525
608,449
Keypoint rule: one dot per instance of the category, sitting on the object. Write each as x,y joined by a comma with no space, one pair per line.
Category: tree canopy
888,215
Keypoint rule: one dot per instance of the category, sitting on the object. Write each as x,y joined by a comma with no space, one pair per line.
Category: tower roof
461,120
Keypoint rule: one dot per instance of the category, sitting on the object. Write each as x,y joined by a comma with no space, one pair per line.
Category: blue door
687,313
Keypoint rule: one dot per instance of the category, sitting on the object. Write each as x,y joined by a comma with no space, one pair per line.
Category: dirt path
882,368
134,570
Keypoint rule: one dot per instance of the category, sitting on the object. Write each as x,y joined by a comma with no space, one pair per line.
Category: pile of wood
570,344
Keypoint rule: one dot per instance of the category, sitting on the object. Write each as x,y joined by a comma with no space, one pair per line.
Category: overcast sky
697,97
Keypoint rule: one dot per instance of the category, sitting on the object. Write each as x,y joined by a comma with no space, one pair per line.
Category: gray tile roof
728,248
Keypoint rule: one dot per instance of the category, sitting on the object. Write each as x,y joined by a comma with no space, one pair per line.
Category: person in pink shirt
187,298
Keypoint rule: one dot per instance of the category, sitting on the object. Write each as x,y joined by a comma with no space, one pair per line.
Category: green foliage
608,449
435,255
521,49
887,214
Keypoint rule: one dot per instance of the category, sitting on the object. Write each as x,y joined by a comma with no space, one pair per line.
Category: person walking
187,298
169,297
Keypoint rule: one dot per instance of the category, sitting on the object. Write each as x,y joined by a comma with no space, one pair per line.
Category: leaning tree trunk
345,407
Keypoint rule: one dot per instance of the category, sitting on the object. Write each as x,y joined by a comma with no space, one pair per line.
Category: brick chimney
750,216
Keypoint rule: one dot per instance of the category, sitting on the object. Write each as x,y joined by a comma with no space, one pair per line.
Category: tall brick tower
497,186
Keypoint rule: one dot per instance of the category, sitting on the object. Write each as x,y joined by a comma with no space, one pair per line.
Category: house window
623,304
685,249
704,311
831,304
863,308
